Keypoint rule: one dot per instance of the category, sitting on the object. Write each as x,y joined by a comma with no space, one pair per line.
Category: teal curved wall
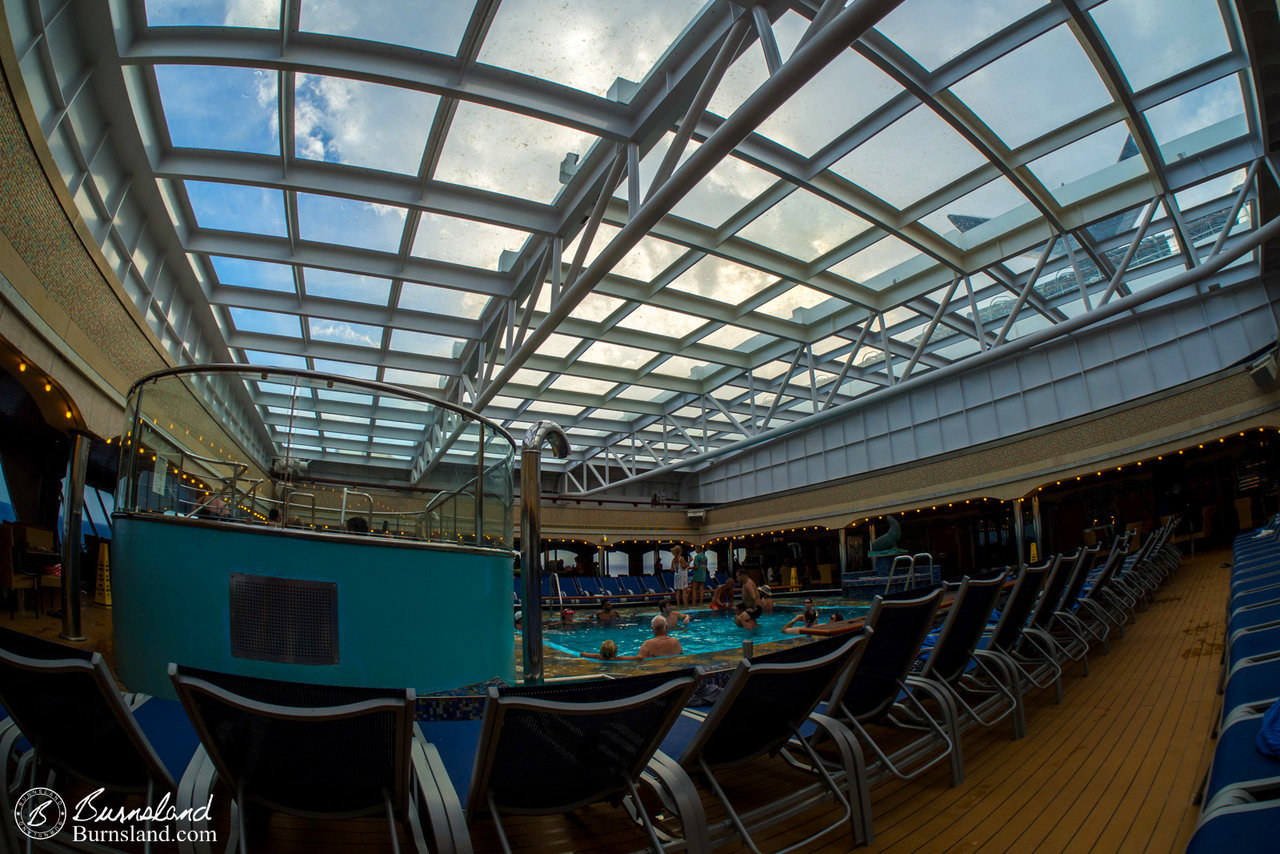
415,616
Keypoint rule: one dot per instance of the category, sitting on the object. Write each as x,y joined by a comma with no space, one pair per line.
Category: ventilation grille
284,620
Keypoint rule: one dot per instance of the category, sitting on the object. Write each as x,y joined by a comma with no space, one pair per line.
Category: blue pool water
708,631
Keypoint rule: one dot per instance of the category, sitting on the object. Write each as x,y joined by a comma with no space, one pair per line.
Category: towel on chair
1269,734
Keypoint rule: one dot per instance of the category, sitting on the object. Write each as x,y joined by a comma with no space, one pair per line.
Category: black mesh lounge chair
315,751
1065,646
1019,645
983,691
767,708
67,706
550,749
1100,606
879,691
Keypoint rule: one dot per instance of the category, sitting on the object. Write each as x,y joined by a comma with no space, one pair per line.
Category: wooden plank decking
1114,768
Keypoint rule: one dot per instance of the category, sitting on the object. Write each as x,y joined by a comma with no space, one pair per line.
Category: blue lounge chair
1236,759
880,692
1243,827
66,705
554,748
983,691
316,751
767,709
1015,644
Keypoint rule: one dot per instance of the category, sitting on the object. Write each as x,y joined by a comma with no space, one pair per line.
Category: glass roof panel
413,379
834,100
464,241
1198,120
1022,95
730,337
347,222
235,207
916,24
642,393
980,215
616,355
261,275
346,369
266,322
650,257
795,304
339,120
684,368
338,332
196,100
885,254
507,153
558,346
729,185
584,44
583,385
804,225
594,307
660,321
435,25
913,157
722,280
1088,166
274,360
424,343
264,14
429,298
331,284
1155,39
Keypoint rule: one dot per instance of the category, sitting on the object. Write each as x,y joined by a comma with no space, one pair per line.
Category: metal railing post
531,539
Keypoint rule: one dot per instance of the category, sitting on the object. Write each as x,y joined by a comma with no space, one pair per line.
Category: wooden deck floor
1114,768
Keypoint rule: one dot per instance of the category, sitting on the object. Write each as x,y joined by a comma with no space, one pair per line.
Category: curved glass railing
311,452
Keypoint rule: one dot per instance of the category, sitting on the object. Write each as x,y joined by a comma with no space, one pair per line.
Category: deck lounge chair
550,749
1019,645
881,692
316,751
983,691
1064,645
66,705
1245,826
1236,759
767,708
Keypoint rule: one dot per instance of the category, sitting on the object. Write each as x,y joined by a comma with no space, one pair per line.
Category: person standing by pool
750,595
698,575
680,566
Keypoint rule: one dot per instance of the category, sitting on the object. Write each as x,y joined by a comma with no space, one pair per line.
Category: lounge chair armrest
436,793
673,785
194,790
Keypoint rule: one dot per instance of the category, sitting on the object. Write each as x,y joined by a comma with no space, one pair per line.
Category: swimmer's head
658,624
608,649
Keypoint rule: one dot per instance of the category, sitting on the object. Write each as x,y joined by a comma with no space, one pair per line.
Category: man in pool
607,616
661,643
674,618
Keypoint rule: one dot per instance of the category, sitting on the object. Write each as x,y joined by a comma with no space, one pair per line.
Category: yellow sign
102,590
1034,557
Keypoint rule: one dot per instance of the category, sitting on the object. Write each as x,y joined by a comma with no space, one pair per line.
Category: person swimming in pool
744,618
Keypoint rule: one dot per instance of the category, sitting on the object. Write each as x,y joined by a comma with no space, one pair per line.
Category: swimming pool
708,631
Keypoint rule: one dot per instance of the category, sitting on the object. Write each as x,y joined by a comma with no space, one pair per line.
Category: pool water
707,631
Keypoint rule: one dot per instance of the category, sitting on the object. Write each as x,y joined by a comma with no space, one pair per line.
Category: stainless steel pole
73,503
531,539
